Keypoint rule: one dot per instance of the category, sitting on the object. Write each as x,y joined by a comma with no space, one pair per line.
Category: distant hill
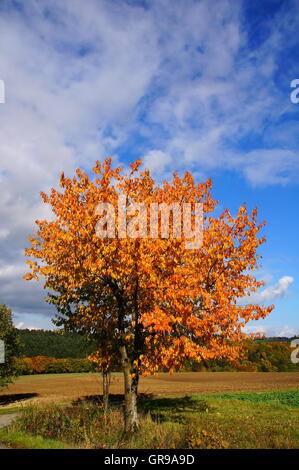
53,344
276,339
260,356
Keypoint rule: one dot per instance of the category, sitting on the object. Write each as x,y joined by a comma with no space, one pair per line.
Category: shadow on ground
160,409
13,398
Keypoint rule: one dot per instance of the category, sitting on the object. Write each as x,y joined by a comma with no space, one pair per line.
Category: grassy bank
23,440
15,409
237,420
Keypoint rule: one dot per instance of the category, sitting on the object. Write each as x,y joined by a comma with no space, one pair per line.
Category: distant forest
56,344
263,355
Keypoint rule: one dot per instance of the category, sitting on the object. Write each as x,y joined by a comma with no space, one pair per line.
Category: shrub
204,439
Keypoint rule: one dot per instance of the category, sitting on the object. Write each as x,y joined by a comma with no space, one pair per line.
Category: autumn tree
157,300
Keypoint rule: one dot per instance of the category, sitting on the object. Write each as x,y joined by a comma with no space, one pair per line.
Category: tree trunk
130,389
106,384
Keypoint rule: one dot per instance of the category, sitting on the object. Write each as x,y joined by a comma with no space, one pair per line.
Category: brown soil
69,387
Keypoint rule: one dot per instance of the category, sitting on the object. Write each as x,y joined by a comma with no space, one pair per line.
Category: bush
247,366
204,439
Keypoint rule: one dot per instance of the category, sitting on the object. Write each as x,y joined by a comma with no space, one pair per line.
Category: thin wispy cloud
271,293
280,331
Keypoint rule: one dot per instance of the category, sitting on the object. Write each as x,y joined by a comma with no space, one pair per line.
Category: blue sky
183,84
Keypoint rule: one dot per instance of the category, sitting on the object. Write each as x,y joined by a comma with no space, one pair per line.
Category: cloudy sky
183,84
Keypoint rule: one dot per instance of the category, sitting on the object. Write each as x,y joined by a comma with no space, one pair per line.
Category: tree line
57,344
45,351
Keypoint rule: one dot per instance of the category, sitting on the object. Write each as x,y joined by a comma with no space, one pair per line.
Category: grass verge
6,411
23,440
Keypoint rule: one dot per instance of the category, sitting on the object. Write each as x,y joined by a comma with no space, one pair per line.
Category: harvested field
63,388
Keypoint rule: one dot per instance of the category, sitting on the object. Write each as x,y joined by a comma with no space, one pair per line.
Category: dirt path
5,420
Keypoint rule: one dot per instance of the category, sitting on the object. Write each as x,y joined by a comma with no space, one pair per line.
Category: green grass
243,420
253,425
6,411
284,397
23,440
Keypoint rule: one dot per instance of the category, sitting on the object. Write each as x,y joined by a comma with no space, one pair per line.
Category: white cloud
4,233
156,161
274,166
32,322
271,293
272,331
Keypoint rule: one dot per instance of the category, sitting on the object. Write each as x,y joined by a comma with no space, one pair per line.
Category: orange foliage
162,302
